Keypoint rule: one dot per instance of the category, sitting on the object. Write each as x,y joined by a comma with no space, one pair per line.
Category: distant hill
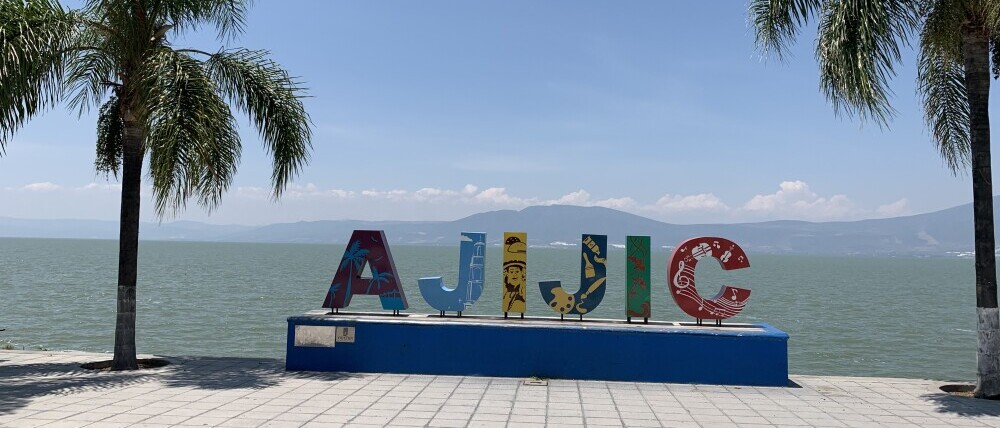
103,229
940,233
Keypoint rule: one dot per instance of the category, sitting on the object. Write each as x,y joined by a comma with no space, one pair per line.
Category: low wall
734,354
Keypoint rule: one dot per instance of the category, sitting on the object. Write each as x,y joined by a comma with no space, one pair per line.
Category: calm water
846,316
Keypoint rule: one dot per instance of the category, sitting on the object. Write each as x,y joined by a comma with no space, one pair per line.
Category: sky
435,110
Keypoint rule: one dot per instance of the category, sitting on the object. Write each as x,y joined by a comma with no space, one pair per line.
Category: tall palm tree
155,100
858,46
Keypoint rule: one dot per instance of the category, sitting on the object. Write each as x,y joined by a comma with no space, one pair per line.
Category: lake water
846,316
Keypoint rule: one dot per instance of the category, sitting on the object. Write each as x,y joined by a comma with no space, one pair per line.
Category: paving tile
448,423
293,400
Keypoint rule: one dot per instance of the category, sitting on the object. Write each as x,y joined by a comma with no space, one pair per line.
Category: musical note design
680,271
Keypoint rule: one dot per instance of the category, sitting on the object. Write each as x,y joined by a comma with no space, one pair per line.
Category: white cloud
92,186
295,191
42,187
678,203
434,194
250,192
794,200
579,197
339,193
499,196
623,204
387,194
895,209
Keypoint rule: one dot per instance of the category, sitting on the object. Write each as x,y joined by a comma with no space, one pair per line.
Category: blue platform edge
755,355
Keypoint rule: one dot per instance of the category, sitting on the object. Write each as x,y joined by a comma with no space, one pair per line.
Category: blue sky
433,110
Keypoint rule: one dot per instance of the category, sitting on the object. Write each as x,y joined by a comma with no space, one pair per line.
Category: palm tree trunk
128,247
975,45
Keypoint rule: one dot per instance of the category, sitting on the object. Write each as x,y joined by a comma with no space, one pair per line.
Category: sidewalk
49,389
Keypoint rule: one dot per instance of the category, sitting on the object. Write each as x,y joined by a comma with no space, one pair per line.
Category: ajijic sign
369,247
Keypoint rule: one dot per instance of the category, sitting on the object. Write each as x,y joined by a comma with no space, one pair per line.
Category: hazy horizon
152,219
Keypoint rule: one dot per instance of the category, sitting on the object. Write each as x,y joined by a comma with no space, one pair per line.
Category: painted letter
366,247
515,272
471,258
638,271
593,276
680,278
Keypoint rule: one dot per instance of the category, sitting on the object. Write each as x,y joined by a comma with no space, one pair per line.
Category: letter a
366,247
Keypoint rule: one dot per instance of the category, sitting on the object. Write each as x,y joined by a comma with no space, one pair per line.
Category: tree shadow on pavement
227,373
964,406
24,382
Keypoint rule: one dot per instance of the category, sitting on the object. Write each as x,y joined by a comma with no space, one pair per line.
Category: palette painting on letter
593,277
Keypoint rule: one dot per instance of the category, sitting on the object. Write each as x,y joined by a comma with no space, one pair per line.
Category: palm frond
228,16
91,73
941,85
995,54
858,47
192,138
990,12
273,100
777,22
35,37
109,138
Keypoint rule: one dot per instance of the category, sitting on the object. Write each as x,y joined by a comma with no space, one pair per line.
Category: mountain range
947,232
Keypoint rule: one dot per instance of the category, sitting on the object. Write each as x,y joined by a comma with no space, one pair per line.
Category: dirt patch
963,390
144,363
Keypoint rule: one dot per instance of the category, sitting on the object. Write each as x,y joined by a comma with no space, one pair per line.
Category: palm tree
377,279
858,46
155,100
354,259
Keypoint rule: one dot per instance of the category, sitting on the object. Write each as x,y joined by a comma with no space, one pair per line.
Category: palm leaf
35,39
109,138
228,16
273,100
777,22
92,72
941,82
995,55
858,46
193,143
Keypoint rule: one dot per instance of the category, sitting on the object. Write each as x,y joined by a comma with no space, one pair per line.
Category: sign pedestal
733,354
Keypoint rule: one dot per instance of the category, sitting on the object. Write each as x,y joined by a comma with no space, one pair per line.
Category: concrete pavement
50,389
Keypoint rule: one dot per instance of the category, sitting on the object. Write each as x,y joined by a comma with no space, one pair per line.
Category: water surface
846,316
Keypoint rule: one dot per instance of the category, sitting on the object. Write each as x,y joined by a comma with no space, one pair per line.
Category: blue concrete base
735,354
